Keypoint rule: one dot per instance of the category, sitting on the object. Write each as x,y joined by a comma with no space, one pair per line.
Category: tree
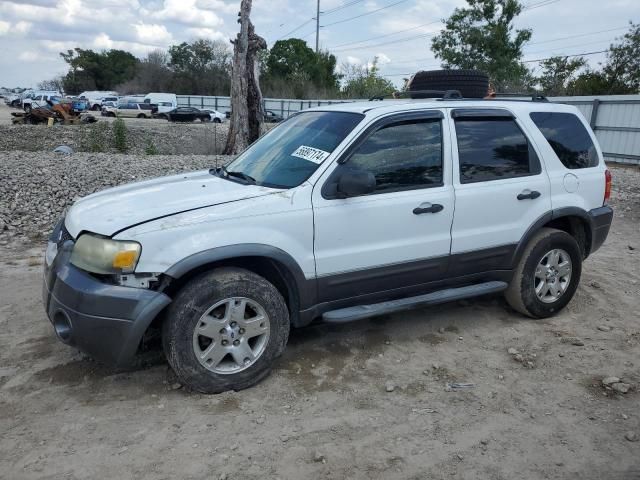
482,37
247,114
152,75
292,63
558,73
363,81
201,67
622,68
89,70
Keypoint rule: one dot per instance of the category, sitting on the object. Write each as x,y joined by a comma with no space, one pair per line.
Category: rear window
568,137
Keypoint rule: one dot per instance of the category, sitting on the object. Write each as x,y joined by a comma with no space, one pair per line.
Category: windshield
291,152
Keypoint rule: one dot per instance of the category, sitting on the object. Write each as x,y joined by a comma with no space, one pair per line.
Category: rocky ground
36,187
468,390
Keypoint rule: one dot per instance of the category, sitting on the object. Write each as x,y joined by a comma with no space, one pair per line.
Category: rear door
399,235
501,189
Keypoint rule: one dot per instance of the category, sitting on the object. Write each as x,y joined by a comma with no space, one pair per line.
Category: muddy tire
470,83
547,275
224,330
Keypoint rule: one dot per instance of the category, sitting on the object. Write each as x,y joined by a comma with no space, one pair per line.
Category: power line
297,28
383,36
585,54
346,5
578,35
365,14
390,42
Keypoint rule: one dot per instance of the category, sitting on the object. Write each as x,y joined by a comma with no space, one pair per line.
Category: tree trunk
247,115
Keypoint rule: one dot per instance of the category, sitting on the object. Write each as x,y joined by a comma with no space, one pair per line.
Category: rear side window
568,137
403,156
493,148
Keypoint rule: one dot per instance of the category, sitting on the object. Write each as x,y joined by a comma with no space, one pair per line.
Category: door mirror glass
354,182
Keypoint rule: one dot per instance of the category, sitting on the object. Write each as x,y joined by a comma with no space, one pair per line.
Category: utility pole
318,26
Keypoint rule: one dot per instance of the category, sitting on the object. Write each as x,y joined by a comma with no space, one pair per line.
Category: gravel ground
36,187
367,400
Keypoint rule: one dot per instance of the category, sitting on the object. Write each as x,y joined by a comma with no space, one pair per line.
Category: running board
441,296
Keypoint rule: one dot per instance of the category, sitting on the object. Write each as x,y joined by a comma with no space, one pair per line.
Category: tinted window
290,153
403,155
493,149
568,138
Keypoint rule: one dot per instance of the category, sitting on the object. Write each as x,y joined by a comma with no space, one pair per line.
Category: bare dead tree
247,115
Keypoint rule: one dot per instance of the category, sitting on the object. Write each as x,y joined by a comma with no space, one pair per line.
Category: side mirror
354,182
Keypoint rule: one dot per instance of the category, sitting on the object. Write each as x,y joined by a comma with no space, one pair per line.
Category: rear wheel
217,120
547,276
224,330
142,115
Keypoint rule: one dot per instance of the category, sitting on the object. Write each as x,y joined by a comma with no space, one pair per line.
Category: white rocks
621,387
604,328
631,436
610,381
389,387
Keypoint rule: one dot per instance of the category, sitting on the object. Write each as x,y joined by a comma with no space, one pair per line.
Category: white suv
339,213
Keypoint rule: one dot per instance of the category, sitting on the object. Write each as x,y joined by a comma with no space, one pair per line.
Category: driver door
398,236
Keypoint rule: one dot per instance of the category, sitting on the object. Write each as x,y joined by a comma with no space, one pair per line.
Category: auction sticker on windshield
314,155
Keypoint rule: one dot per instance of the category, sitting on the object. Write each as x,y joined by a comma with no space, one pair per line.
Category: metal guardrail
614,118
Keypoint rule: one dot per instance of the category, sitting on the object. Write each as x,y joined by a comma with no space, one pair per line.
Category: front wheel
547,275
224,330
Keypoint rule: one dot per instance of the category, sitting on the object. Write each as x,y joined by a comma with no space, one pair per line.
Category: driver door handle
428,208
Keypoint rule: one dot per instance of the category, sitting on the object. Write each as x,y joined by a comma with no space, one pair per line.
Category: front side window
568,137
291,152
493,148
404,155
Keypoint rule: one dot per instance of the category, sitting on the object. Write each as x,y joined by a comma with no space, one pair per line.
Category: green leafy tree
622,68
201,67
363,81
590,82
292,67
482,37
89,70
558,73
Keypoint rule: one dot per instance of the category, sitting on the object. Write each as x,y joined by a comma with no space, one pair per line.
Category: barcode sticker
314,155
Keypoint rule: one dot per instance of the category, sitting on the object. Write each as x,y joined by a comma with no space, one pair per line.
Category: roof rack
456,95
443,94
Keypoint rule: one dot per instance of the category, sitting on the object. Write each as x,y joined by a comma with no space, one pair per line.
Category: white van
165,101
95,97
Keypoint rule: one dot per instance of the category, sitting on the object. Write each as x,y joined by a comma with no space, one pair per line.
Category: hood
115,209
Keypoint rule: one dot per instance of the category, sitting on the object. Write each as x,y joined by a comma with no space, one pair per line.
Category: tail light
607,186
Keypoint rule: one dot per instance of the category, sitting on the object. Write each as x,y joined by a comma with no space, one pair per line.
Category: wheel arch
273,264
572,220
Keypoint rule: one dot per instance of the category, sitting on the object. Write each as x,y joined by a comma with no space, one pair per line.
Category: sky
397,32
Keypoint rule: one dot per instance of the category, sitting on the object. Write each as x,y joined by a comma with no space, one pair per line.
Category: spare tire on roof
470,83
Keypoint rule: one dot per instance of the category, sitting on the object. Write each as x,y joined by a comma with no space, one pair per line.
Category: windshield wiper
247,178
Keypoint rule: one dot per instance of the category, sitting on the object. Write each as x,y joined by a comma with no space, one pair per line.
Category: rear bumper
104,321
600,219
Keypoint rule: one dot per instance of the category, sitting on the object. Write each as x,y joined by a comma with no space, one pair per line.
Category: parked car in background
109,100
215,116
272,117
39,99
187,114
165,101
163,108
94,97
129,110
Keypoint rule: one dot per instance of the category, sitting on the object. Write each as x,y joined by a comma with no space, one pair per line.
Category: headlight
102,255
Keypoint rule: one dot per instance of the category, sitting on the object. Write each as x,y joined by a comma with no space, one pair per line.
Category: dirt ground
325,411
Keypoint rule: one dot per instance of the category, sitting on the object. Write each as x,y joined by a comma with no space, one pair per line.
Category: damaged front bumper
105,321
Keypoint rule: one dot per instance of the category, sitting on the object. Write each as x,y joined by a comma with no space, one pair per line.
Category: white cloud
102,41
219,6
208,33
187,13
19,28
152,34
382,58
353,60
29,56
